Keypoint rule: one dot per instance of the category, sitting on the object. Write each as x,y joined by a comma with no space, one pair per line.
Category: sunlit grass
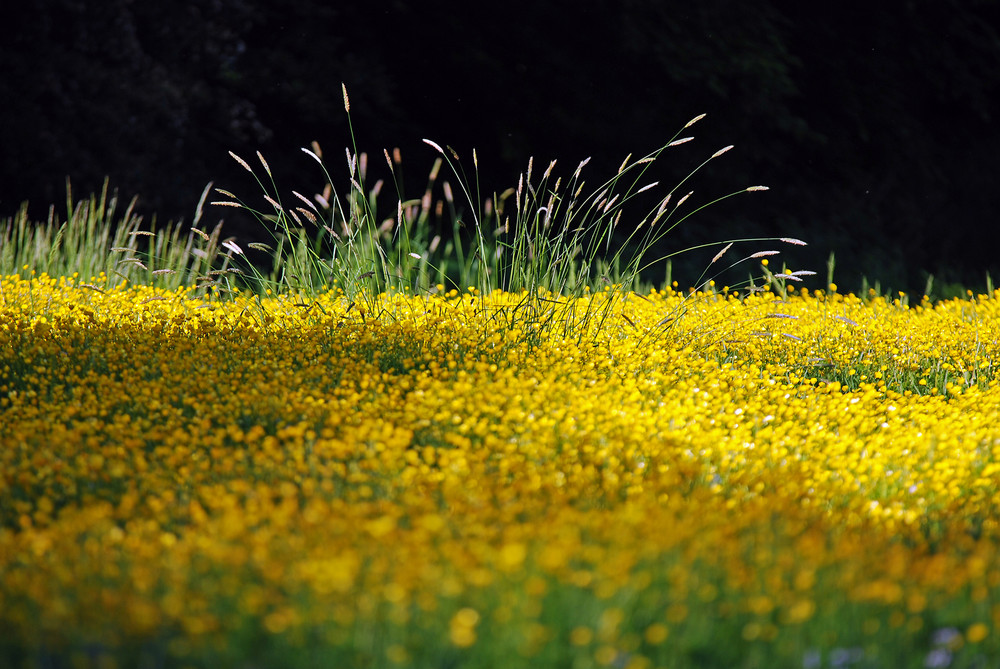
777,479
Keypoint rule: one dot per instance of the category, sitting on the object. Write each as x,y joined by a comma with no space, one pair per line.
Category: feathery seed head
232,246
313,155
722,252
352,162
624,163
241,162
695,120
548,170
263,162
273,203
306,200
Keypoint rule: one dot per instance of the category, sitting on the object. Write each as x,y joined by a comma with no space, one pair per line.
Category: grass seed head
263,162
434,145
241,162
694,120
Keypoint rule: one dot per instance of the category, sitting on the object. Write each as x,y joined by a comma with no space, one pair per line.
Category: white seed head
347,100
264,163
241,162
434,145
792,240
273,203
352,162
756,188
721,151
722,252
548,170
306,200
624,163
312,155
695,120
232,246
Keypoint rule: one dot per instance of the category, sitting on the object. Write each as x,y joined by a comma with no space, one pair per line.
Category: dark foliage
876,130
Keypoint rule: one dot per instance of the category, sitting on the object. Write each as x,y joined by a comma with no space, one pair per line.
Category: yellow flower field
664,480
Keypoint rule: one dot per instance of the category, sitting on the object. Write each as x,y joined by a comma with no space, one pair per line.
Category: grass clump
549,242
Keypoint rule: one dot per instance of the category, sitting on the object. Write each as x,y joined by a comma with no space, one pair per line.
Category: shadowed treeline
875,131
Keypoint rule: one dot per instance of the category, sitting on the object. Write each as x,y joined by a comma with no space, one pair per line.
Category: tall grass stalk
98,241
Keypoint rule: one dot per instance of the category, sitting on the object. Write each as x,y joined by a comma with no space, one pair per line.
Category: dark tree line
876,130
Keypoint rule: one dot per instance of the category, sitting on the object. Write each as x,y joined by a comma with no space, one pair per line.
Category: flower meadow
773,478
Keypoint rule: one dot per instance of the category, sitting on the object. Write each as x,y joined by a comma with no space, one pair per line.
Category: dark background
874,125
